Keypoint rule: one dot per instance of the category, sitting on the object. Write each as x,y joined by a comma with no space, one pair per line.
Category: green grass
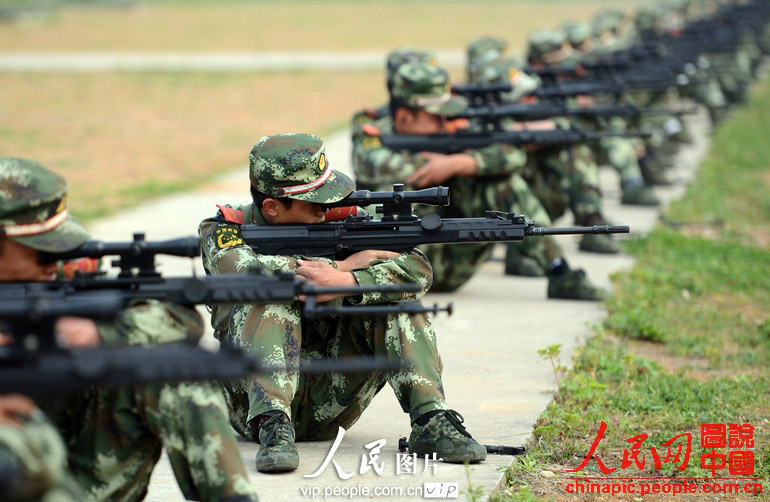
687,338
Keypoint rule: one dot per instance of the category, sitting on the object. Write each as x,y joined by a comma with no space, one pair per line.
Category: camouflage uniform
560,178
620,153
33,463
278,334
495,185
114,437
393,62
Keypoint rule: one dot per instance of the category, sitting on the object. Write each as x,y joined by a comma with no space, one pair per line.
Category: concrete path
492,373
192,61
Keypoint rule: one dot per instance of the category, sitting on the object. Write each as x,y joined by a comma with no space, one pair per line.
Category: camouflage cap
647,18
543,42
502,70
404,55
294,165
576,32
607,21
481,47
421,85
33,208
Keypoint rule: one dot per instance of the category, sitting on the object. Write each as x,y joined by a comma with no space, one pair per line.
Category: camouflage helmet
294,165
576,32
543,42
482,47
33,208
424,86
404,55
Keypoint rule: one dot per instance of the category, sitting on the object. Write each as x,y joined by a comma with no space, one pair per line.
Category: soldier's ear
270,207
402,117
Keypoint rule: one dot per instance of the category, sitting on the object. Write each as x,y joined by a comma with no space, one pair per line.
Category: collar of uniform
253,215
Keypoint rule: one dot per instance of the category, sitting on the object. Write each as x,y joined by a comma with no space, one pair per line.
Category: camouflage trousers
115,438
565,178
454,264
33,462
620,153
278,335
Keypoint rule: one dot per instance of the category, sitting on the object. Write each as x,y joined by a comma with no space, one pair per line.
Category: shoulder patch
371,142
371,130
231,215
455,125
227,236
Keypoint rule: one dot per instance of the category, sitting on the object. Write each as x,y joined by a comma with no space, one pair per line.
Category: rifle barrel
596,229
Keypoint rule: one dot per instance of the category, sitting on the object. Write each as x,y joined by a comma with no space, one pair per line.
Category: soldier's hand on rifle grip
321,273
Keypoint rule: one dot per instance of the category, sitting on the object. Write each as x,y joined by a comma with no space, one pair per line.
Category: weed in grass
552,354
473,493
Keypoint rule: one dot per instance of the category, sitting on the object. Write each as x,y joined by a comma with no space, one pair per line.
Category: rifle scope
436,196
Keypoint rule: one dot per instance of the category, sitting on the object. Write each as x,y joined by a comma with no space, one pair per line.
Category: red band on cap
306,187
28,229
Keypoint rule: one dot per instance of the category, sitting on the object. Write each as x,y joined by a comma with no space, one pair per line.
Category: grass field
687,340
291,25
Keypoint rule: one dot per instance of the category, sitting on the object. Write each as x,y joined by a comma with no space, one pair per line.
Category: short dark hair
259,197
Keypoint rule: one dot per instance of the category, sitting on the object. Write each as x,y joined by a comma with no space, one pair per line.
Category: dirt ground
124,137
121,137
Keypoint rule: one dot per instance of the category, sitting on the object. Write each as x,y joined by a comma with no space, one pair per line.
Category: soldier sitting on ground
290,180
114,437
479,180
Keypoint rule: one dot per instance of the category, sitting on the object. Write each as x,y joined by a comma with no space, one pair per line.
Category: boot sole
281,462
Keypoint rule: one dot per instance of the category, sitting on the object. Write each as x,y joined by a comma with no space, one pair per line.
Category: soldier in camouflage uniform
560,178
479,180
393,62
290,180
620,153
114,437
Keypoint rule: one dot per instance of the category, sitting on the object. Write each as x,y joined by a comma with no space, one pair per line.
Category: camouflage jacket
138,325
378,168
225,253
